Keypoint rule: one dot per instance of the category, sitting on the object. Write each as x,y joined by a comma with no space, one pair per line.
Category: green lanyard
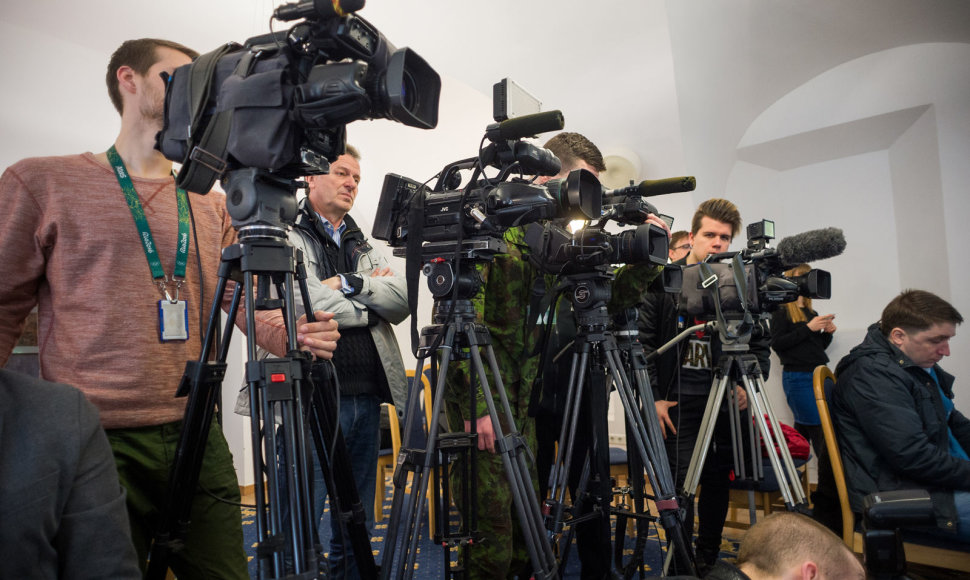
145,233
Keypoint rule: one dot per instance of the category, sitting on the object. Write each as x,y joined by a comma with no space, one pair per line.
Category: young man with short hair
682,378
894,414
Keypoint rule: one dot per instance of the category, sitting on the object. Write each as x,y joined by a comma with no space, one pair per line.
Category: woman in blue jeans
799,336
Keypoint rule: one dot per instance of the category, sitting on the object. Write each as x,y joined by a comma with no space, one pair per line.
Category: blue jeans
801,397
360,422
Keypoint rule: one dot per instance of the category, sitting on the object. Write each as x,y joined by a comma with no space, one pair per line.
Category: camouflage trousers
502,552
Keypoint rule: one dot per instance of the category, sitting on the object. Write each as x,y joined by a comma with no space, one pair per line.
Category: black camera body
753,281
280,102
485,210
557,251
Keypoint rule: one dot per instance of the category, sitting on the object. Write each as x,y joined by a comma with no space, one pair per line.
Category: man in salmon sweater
74,237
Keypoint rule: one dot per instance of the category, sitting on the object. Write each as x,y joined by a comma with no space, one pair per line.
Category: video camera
557,251
753,282
487,208
277,106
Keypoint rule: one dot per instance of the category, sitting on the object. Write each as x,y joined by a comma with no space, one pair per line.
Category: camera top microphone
317,8
810,246
650,187
525,126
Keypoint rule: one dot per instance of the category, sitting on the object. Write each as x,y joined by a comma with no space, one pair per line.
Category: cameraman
593,538
503,304
682,378
70,246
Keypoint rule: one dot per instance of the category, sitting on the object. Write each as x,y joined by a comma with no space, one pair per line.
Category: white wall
885,183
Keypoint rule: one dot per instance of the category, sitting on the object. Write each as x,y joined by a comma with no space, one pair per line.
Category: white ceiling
676,82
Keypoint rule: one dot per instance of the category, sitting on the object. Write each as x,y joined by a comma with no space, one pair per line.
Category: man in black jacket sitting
894,414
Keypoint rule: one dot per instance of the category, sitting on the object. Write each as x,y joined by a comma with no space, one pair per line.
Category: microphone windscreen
811,246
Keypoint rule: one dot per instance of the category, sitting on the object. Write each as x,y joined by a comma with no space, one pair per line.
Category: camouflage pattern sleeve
502,305
630,284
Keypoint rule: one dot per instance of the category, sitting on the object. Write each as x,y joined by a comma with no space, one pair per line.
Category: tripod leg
778,454
345,503
567,438
653,458
524,494
411,505
200,384
697,459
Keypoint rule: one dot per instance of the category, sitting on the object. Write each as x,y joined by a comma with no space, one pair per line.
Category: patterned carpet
430,559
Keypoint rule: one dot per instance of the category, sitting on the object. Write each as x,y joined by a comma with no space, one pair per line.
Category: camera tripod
596,356
737,365
299,394
454,333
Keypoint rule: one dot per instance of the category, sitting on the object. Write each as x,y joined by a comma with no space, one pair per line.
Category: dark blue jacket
890,423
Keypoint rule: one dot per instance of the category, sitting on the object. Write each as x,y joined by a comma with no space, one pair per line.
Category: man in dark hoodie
894,412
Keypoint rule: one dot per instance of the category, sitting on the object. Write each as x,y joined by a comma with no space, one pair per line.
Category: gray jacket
381,302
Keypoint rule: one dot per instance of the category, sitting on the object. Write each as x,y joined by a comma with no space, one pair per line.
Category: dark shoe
705,559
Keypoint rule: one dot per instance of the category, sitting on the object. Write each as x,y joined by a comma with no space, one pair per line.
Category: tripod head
589,293
260,203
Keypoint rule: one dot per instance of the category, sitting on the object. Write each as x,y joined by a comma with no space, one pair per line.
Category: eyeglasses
683,247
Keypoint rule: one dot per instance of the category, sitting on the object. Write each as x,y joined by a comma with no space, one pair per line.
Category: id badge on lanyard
173,314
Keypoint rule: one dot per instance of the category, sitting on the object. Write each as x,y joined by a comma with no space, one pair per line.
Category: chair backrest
419,434
823,383
395,427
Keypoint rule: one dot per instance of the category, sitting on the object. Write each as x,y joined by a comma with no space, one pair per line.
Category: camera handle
268,256
462,331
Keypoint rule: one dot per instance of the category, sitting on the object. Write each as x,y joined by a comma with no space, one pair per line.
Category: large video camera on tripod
257,116
450,230
754,280
557,250
734,298
606,354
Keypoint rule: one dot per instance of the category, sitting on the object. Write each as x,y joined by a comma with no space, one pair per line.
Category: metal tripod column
640,410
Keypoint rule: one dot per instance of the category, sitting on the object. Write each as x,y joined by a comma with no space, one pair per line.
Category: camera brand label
582,294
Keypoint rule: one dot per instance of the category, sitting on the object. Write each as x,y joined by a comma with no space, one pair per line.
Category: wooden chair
823,382
387,459
765,495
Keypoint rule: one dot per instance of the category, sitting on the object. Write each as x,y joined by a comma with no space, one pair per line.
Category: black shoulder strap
206,161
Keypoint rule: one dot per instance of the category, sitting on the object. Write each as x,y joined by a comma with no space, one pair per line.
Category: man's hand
320,337
742,397
663,413
655,220
381,272
333,283
486,435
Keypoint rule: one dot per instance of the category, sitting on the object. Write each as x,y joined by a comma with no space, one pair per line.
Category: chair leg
379,492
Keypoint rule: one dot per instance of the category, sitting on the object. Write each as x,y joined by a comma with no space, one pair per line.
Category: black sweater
798,347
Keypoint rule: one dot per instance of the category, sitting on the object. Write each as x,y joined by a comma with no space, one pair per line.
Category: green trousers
214,545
